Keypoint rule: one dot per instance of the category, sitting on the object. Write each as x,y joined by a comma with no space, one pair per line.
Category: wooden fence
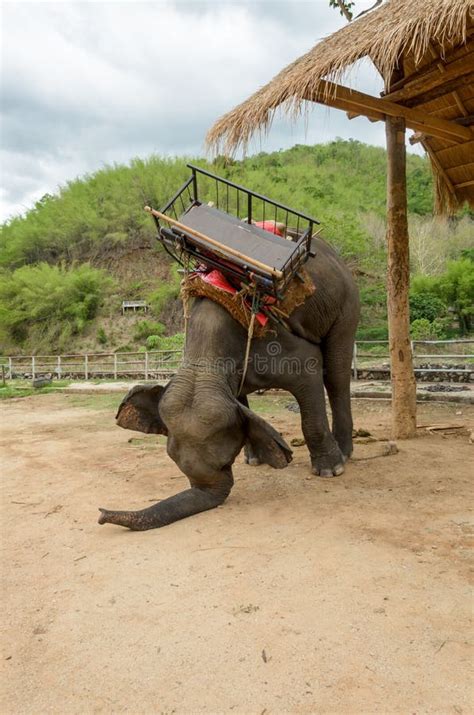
156,364
455,356
369,355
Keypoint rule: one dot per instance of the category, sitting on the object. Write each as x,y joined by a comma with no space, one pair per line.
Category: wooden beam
440,91
442,68
466,121
350,100
431,78
464,184
398,284
416,137
467,47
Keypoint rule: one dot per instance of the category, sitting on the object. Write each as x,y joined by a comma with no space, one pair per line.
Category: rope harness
239,307
255,306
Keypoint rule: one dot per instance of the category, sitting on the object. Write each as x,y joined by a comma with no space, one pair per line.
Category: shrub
101,336
50,300
455,287
146,328
426,305
165,291
153,342
171,342
373,333
423,329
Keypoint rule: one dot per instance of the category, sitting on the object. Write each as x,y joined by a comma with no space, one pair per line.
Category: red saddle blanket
218,280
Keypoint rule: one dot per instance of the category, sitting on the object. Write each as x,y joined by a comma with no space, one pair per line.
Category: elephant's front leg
250,456
326,457
191,501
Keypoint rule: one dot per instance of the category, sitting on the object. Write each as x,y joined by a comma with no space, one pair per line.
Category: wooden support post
398,284
115,366
146,365
86,367
354,361
58,368
10,367
33,367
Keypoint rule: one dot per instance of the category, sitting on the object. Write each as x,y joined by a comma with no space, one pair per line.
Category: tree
345,8
455,287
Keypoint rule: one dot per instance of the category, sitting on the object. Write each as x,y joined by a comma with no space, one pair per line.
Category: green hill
68,263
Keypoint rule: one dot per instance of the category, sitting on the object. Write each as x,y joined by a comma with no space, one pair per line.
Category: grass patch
23,388
9,392
96,402
267,403
147,442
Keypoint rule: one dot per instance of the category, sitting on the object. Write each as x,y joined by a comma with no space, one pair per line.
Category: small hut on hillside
425,54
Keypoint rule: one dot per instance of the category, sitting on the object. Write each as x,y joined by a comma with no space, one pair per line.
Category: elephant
204,411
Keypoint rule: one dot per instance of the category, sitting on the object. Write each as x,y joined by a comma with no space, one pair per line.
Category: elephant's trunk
135,520
191,501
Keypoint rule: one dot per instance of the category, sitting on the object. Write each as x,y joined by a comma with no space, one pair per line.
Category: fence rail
424,363
154,364
163,364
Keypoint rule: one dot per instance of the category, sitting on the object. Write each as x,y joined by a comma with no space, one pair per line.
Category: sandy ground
299,595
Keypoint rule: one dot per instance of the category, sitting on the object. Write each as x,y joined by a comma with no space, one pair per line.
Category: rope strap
255,305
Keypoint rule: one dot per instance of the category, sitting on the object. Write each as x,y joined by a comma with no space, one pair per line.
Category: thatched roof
415,40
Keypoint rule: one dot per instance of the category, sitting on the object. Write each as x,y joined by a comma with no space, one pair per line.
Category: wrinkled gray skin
207,425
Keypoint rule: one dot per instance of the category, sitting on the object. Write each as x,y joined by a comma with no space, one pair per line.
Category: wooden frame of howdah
214,223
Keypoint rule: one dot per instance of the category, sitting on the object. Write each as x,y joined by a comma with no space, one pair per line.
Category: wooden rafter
340,97
466,121
435,76
442,70
441,90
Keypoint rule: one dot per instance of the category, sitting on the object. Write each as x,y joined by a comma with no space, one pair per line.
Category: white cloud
90,83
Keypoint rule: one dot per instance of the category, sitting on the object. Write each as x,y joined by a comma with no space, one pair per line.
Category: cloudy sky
91,83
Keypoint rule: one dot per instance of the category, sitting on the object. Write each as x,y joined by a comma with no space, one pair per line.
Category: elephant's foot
329,465
249,457
345,445
252,461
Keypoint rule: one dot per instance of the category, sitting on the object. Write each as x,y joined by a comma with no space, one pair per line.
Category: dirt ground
299,595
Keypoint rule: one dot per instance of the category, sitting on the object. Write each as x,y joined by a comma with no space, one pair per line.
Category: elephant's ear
139,410
267,444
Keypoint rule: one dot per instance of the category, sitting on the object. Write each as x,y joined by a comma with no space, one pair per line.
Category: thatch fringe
445,202
397,27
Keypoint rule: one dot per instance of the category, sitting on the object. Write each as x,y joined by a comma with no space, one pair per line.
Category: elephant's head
206,428
205,424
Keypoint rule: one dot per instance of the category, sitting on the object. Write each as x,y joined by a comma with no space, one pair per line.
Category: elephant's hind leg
337,356
326,457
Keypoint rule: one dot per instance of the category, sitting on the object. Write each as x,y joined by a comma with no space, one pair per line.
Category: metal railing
163,364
